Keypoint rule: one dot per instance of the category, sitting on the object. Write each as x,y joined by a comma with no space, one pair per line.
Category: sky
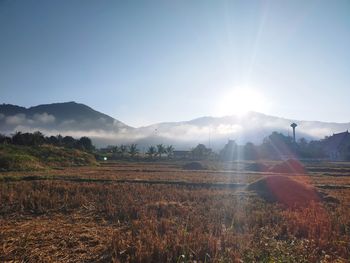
144,62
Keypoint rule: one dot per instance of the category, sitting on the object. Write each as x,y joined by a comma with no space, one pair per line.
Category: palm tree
123,149
59,139
202,152
151,151
17,138
38,138
133,151
2,138
160,150
169,150
115,151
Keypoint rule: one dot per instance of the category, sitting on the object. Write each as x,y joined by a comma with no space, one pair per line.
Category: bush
14,157
19,162
59,156
193,166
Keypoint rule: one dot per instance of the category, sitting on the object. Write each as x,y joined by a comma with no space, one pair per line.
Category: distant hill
57,118
252,127
71,118
70,111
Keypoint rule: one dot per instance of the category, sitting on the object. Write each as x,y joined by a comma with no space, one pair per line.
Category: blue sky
150,61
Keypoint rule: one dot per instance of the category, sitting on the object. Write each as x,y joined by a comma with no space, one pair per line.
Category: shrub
19,162
14,157
193,166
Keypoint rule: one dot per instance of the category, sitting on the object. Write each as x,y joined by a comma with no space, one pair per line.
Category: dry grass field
159,212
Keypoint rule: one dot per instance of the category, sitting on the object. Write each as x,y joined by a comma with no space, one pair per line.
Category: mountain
251,127
65,118
78,120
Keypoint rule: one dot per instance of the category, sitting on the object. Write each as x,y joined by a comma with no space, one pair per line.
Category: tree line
279,146
37,139
132,151
274,146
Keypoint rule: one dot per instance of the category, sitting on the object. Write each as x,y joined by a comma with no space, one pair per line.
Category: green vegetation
37,138
19,161
22,158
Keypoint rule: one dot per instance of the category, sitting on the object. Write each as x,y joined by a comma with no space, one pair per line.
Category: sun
239,101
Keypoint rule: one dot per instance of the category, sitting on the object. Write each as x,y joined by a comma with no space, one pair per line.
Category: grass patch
19,162
25,158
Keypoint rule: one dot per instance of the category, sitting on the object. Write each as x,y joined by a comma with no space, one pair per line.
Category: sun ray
240,101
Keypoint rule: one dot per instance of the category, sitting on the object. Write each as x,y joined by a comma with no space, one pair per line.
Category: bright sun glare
242,100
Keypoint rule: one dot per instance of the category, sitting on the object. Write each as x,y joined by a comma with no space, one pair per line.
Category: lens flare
239,101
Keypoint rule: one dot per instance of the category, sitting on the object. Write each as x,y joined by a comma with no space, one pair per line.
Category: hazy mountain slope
70,110
9,109
76,119
253,127
64,118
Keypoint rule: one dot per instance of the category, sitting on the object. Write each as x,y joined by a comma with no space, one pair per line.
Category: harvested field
52,219
193,166
284,190
290,166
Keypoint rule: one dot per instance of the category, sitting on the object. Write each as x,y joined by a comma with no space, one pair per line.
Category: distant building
182,154
337,146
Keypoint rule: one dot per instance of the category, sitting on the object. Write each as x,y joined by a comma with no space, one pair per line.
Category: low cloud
318,133
228,129
183,131
17,119
194,132
21,119
44,118
216,131
110,137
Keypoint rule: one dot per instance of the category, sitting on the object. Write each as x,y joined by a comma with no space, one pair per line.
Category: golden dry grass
67,221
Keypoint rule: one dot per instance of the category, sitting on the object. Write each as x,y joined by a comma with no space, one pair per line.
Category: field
159,212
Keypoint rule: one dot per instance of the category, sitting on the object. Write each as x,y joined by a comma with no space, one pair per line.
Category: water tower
293,125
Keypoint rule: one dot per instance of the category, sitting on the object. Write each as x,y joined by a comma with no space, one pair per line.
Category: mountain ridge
77,119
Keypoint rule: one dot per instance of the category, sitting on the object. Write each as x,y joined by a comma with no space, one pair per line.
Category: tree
347,153
123,150
230,151
302,143
53,140
169,150
160,150
277,146
37,138
28,139
151,152
68,141
250,151
115,151
201,152
60,139
5,139
85,144
17,138
303,148
133,151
